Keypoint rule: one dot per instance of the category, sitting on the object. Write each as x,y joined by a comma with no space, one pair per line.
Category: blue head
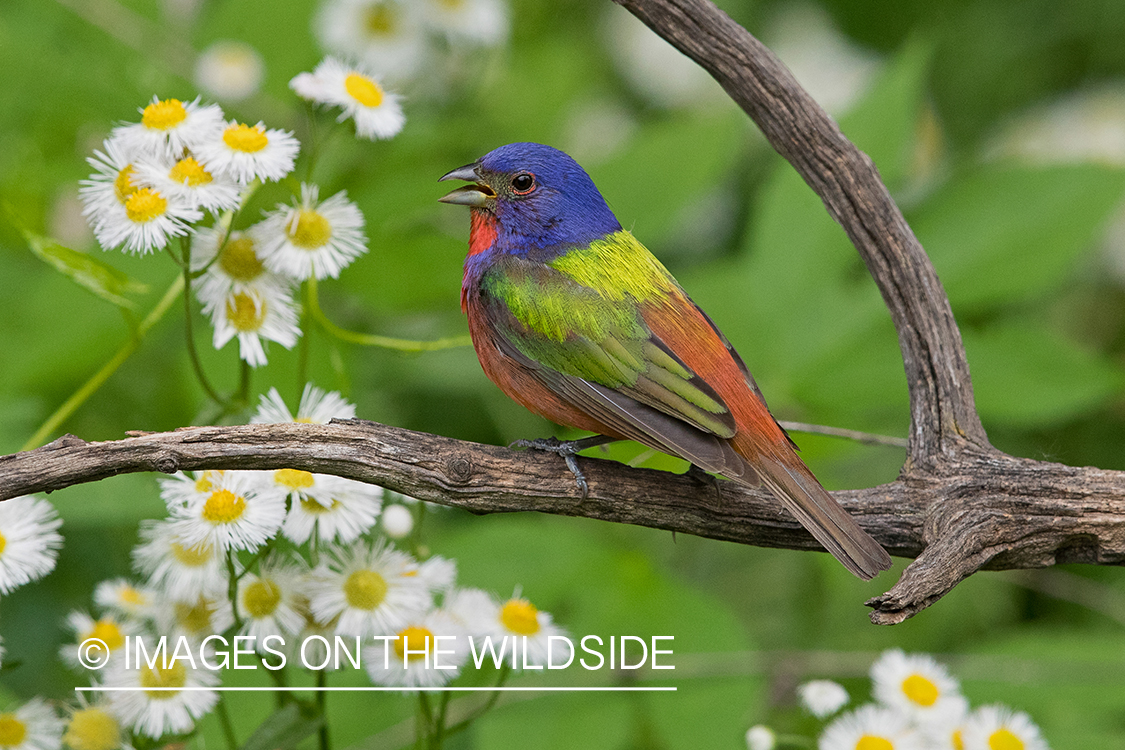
539,196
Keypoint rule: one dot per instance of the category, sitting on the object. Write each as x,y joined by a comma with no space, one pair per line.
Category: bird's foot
704,477
569,450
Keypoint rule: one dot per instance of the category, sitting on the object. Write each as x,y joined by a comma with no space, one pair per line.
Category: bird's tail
792,482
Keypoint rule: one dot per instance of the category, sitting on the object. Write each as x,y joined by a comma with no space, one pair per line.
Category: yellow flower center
309,230
520,616
92,729
164,115
245,138
363,90
365,589
195,618
261,597
920,690
193,557
172,676
1003,739
130,595
244,313
203,484
239,261
3,543
873,742
188,170
414,639
313,507
106,631
144,205
12,730
294,479
380,20
958,741
224,507
123,185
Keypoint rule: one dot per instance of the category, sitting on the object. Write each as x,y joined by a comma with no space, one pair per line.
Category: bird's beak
478,194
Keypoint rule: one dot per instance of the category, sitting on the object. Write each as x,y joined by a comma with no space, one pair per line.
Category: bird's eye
523,183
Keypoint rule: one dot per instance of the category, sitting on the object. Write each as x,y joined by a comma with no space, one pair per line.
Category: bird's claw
569,450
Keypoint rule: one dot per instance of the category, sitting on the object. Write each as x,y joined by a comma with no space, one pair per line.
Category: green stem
196,365
427,719
505,673
322,704
99,378
228,727
232,590
370,339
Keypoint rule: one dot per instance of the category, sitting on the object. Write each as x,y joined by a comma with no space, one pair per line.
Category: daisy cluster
287,554
399,39
918,706
185,170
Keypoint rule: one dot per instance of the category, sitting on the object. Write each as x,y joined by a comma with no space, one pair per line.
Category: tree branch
958,506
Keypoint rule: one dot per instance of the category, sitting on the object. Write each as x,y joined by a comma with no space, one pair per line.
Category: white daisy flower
947,733
181,489
168,126
238,267
398,521
313,238
162,707
364,590
317,407
125,598
470,21
29,541
230,70
182,571
249,152
252,313
268,603
112,184
822,698
760,737
914,685
515,618
356,89
189,182
94,728
437,573
333,508
415,657
108,629
387,35
195,619
870,727
32,726
310,646
233,515
1000,728
145,221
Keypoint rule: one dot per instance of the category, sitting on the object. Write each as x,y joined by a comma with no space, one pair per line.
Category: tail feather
824,518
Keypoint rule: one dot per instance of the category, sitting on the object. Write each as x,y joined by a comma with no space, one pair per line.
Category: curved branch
942,410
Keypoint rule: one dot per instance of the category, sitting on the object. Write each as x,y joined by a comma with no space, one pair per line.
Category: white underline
381,689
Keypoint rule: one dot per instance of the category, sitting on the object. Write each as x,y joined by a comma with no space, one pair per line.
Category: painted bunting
574,319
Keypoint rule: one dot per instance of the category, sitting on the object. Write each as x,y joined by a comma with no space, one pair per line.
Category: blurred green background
999,125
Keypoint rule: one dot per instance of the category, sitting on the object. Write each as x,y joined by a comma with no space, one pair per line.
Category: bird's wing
591,346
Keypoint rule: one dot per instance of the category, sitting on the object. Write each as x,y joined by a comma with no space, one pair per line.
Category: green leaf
1031,378
1009,232
89,272
285,728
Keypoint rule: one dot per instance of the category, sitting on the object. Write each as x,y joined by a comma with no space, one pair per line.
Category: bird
573,318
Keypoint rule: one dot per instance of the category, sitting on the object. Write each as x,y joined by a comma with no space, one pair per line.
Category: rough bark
958,506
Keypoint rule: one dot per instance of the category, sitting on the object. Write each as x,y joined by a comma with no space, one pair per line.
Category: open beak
478,194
